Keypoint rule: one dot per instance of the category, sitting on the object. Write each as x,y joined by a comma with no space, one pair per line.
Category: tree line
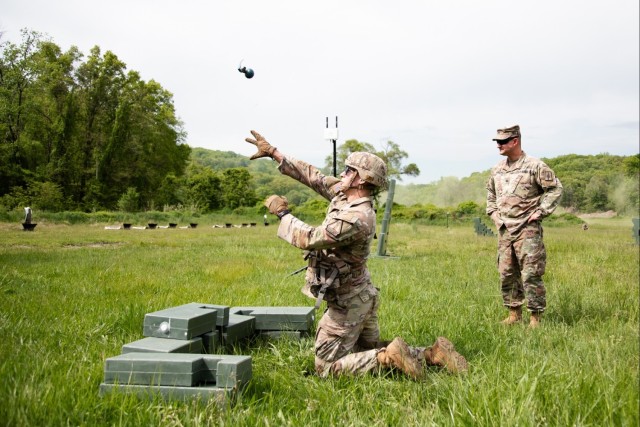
591,183
79,133
86,134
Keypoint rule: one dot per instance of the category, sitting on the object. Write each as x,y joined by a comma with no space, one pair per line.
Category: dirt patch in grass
607,214
93,245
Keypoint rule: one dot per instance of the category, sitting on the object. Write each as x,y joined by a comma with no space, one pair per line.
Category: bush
129,201
46,196
311,210
429,212
468,208
563,219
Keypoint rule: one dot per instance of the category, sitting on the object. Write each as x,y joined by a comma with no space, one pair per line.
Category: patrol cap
507,133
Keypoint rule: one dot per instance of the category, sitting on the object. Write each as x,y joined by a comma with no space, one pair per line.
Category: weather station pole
332,135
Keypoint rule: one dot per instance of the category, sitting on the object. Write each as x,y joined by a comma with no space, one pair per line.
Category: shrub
563,219
468,208
46,196
129,201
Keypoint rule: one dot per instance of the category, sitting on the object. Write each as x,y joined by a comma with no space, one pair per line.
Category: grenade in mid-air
248,72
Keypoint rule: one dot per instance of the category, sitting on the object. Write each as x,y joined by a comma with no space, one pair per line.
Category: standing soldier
521,191
348,337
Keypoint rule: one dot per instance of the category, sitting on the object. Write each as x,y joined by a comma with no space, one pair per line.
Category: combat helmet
370,167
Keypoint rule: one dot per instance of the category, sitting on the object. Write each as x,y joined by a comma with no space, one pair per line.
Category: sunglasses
505,141
348,169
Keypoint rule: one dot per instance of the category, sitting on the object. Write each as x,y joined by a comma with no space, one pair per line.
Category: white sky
436,77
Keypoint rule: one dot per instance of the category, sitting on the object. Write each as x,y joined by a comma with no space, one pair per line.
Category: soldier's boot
515,316
536,318
398,355
443,353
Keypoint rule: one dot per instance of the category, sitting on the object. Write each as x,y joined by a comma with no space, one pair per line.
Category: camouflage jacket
345,235
516,191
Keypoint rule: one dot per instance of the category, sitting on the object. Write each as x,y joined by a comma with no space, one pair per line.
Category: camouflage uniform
348,332
515,191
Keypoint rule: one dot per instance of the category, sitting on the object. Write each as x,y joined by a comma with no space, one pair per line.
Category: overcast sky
436,77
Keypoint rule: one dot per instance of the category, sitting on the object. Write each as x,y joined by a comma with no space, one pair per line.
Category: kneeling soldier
348,336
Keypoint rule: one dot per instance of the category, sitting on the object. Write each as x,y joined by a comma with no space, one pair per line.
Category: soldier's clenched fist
277,204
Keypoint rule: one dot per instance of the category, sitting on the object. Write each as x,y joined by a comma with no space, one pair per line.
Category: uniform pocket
523,186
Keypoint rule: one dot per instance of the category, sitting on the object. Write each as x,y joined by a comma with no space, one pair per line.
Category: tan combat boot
515,316
397,355
442,353
536,318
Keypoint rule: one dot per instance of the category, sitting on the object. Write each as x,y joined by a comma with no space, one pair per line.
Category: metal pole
335,173
335,155
386,219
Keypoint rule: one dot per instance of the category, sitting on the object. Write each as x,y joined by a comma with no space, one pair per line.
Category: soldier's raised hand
264,148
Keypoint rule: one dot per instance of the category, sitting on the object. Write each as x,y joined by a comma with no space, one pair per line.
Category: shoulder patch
547,177
341,228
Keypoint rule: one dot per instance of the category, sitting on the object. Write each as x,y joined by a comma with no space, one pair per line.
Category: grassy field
71,296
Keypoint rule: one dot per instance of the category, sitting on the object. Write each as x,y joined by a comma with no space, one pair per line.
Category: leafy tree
237,189
17,75
170,192
631,165
393,157
204,188
220,160
129,201
587,180
46,196
596,193
89,127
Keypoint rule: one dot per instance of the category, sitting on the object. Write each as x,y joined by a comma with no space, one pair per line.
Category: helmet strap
353,177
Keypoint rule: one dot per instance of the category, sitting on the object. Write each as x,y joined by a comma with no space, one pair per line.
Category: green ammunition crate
222,310
239,327
182,322
279,318
164,345
222,396
174,369
210,341
178,369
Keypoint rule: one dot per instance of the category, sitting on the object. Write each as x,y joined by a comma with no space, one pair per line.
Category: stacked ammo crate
176,358
481,229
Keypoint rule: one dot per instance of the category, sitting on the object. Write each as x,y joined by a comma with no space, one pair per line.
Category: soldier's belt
350,274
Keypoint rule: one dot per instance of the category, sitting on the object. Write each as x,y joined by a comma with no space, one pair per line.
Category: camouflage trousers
522,259
348,337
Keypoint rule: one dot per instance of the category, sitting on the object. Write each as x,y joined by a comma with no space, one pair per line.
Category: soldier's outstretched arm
301,171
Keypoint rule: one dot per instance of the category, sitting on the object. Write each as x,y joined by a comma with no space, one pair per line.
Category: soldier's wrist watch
283,213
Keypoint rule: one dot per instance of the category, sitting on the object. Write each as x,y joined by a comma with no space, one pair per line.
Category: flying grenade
248,72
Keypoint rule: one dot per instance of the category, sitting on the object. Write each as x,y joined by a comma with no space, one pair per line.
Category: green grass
71,296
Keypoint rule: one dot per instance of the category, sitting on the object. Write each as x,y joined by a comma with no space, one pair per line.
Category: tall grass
71,296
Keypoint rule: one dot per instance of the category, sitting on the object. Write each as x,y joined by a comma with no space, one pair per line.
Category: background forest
85,134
